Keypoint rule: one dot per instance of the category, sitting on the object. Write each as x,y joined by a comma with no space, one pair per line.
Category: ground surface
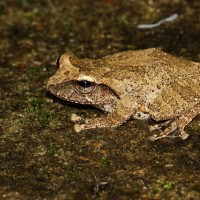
41,157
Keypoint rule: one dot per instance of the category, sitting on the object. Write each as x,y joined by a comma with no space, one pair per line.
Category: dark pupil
85,84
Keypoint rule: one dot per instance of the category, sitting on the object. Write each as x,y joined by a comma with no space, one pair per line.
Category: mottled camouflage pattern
139,84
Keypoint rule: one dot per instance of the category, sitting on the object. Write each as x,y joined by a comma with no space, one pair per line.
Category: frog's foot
80,123
172,128
183,134
77,119
160,126
80,127
178,125
92,123
170,133
84,124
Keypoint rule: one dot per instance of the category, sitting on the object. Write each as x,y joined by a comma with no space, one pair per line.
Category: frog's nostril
58,61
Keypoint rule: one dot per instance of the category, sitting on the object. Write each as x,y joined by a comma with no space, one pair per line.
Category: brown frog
140,84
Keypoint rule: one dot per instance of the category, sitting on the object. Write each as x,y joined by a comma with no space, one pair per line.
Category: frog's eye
85,85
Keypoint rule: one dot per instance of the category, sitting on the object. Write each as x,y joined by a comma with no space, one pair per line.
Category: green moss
166,185
54,150
45,117
159,186
105,161
37,113
153,191
35,104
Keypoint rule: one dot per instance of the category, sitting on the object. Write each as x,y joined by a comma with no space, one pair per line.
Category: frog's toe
183,135
153,137
78,128
154,127
159,136
78,119
75,118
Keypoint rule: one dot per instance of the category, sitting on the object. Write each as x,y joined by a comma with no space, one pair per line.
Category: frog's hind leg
180,101
178,125
185,119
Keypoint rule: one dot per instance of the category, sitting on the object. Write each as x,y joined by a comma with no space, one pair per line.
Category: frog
147,84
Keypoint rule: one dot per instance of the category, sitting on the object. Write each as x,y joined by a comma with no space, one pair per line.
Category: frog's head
74,82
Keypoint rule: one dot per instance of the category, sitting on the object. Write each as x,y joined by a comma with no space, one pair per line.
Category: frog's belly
141,115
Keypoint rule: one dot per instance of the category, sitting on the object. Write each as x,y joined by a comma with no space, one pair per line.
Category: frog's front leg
125,108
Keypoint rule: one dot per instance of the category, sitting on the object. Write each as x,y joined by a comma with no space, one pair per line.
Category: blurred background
40,155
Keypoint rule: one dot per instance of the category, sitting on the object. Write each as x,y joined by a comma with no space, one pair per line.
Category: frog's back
131,58
152,59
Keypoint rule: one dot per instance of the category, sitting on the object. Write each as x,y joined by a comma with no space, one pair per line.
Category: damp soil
41,157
